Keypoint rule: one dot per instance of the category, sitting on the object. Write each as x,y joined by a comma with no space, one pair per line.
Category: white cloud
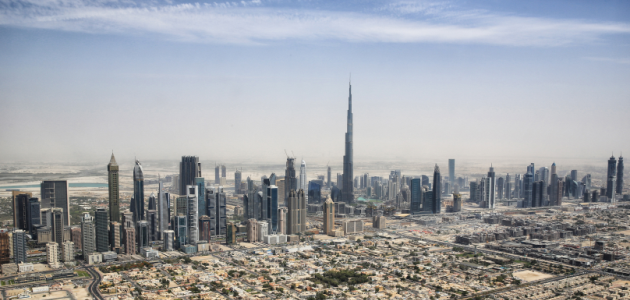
251,22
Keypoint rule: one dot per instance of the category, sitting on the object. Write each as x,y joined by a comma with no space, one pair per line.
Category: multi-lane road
94,285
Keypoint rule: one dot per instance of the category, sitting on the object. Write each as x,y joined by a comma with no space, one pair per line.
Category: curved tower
347,192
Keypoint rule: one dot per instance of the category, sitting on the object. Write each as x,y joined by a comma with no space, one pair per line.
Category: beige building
252,230
52,253
352,226
67,251
329,216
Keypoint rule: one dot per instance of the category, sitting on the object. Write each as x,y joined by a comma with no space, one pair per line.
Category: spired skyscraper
611,179
437,190
303,181
290,181
137,203
347,190
114,195
620,175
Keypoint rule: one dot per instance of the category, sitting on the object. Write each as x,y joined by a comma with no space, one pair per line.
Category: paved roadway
94,285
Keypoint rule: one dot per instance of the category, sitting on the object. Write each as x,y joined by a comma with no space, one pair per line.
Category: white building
303,184
67,251
263,228
352,226
149,253
274,239
25,267
95,258
52,253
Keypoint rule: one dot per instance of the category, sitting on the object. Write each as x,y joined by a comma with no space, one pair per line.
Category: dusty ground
53,295
625,232
621,283
528,276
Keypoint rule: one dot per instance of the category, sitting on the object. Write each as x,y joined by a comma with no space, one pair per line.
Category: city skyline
460,65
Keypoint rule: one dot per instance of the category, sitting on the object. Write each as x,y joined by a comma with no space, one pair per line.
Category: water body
90,185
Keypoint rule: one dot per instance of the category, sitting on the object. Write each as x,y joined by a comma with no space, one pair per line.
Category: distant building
67,251
52,253
54,194
457,202
168,236
19,246
189,169
296,216
352,226
252,230
88,233
102,232
230,237
137,202
329,216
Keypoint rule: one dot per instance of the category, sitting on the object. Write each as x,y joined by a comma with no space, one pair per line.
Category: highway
94,285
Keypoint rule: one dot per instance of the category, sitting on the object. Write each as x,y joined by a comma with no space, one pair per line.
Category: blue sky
246,80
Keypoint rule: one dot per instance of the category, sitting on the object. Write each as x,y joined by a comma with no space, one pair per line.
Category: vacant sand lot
528,276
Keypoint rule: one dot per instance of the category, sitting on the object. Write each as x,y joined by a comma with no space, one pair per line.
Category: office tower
553,185
164,207
113,186
168,236
201,196
193,216
425,181
528,182
19,246
102,236
20,200
205,232
223,171
181,205
500,187
152,203
189,168
457,202
130,240
290,181
217,174
574,175
127,220
55,194
595,196
474,186
416,195
437,190
33,217
611,180
451,172
153,225
620,175
237,182
517,186
52,253
537,193
5,251
491,189
211,210
142,234
272,194
137,202
230,237
67,251
263,200
339,181
46,216
76,236
544,176
88,235
559,193
57,225
329,216
303,184
314,192
587,181
282,220
263,230
252,230
428,201
328,177
220,211
115,236
347,191
296,217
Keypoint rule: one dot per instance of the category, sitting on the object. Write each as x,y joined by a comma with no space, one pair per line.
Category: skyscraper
272,194
457,202
553,186
180,230
113,186
303,181
88,235
205,232
416,195
52,253
130,240
67,251
137,203
20,200
500,187
33,215
201,196
164,205
142,234
223,171
528,182
217,174
290,181
437,190
508,186
620,175
115,236
220,211
537,193
347,191
102,236
55,194
58,221
152,202
490,189
296,216
168,236
329,216
328,179
544,176
19,246
189,168
611,181
193,216
5,252
451,173
237,182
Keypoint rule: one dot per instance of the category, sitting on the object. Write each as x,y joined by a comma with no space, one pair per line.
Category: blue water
93,185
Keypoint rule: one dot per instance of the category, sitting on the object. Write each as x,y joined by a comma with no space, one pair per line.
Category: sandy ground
322,237
621,283
528,276
625,232
248,245
203,258
53,295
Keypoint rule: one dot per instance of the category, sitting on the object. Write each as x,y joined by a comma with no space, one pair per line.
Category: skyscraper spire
347,192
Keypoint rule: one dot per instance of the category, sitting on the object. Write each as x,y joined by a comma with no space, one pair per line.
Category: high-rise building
201,196
272,202
55,194
142,234
611,187
347,190
252,230
58,225
437,190
574,175
457,202
5,250
544,176
490,189
76,236
205,232
314,192
217,174
19,246
303,181
113,186
416,195
537,193
102,233
189,168
181,229
88,235
230,237
451,172
193,216
528,182
33,215
153,224
620,175
223,172
20,200
152,202
296,216
282,220
67,251
52,253
168,236
553,185
137,202
290,181
508,186
329,216
500,187
220,211
237,182
518,184
263,230
116,236
328,178
164,207
130,240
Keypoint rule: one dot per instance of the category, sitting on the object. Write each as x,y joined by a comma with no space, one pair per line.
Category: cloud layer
253,22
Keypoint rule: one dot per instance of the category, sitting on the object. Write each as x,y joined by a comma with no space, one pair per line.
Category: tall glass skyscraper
201,203
437,190
303,181
137,203
290,181
416,195
113,186
347,190
189,169
451,173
